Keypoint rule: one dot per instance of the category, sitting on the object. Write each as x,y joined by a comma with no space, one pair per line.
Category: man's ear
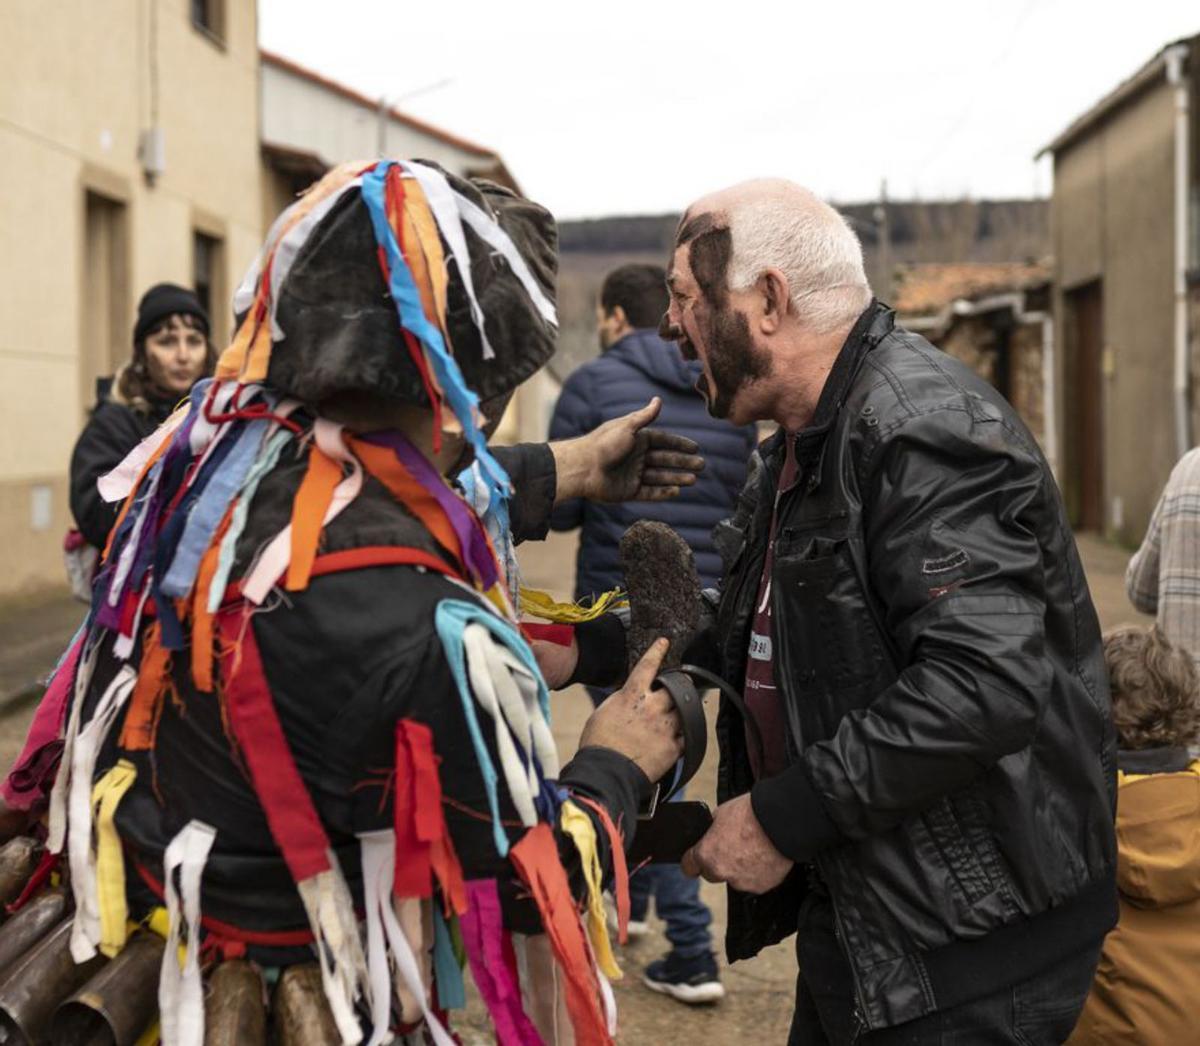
773,286
618,314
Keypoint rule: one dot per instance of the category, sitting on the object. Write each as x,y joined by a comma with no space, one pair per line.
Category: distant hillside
920,231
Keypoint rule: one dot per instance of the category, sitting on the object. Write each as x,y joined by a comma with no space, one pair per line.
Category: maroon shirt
763,700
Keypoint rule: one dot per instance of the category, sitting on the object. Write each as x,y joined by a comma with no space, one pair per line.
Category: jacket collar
1153,760
875,323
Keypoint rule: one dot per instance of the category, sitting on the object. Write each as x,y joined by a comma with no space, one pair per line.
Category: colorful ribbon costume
170,592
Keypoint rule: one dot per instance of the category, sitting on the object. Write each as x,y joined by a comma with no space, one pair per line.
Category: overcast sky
638,106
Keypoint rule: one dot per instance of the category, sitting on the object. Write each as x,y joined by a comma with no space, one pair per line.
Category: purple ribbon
476,554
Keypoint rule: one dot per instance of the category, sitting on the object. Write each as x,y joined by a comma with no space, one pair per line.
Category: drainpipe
1177,78
1049,394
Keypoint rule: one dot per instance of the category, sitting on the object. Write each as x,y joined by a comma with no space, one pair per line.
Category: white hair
789,229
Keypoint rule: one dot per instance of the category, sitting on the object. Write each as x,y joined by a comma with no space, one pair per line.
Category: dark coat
952,757
112,431
637,367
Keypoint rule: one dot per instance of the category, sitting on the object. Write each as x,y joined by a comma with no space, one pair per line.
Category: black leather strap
712,679
681,684
695,729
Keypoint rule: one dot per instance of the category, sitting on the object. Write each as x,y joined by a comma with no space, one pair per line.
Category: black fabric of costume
342,333
345,659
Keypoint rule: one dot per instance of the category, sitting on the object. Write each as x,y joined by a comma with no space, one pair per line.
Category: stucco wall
78,88
1112,220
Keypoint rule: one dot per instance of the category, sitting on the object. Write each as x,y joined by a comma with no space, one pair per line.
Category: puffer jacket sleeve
951,502
574,415
110,434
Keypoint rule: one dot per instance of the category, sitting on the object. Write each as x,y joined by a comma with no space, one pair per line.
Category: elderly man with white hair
920,776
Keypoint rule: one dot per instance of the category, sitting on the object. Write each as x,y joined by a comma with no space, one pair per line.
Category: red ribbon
423,846
293,819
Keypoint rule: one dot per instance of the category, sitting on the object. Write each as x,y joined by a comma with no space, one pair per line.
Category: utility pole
884,233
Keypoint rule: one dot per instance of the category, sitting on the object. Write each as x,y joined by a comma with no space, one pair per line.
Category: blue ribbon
210,509
461,399
447,974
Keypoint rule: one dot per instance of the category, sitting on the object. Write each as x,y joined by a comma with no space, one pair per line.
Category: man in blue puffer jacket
635,365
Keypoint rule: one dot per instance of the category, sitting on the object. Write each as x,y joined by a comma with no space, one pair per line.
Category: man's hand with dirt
639,722
622,460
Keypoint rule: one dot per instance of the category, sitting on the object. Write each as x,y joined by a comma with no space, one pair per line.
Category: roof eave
1124,92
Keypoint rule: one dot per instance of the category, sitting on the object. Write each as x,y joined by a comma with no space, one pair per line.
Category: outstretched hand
622,460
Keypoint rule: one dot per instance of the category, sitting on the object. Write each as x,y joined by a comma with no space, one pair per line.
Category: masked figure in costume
301,731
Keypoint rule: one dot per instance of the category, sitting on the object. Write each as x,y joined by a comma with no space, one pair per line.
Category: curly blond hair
1154,689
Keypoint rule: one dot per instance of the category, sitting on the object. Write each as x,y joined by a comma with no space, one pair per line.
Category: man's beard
734,360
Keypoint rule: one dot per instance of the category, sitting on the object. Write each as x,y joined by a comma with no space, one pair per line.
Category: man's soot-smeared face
701,317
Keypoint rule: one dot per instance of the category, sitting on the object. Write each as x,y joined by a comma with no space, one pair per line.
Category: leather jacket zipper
860,1022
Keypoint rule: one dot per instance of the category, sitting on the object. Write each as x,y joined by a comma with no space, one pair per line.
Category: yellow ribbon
110,862
579,827
543,605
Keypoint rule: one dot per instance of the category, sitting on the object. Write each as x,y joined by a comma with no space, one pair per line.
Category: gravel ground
759,992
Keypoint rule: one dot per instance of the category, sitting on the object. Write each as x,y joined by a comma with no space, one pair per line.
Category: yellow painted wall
79,81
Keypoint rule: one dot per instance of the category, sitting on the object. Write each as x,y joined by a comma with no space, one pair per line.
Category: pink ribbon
483,936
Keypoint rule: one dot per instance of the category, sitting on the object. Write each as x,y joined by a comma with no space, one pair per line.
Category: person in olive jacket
171,352
923,786
1147,987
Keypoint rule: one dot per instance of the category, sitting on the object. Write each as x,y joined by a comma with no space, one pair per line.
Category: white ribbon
116,484
57,832
515,712
482,662
274,560
518,692
488,229
85,930
442,200
379,871
331,917
181,992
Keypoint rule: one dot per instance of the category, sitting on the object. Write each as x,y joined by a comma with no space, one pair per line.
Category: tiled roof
930,288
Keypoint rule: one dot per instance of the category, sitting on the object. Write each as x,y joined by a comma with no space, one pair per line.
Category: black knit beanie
163,300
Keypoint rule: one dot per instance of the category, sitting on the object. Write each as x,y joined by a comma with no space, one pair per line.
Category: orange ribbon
308,515
383,464
145,705
537,862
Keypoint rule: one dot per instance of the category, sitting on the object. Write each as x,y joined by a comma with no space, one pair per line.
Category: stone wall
976,341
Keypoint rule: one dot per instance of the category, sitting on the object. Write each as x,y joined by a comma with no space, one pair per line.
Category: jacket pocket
823,619
962,860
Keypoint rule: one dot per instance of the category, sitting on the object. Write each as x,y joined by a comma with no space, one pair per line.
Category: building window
207,273
209,17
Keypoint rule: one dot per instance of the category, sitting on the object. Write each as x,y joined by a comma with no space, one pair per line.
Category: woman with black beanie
171,352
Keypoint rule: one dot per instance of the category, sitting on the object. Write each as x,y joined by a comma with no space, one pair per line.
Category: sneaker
693,980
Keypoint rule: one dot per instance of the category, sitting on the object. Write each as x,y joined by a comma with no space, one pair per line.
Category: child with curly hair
1147,987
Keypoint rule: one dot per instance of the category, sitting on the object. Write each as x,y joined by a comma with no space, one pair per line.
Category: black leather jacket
952,759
